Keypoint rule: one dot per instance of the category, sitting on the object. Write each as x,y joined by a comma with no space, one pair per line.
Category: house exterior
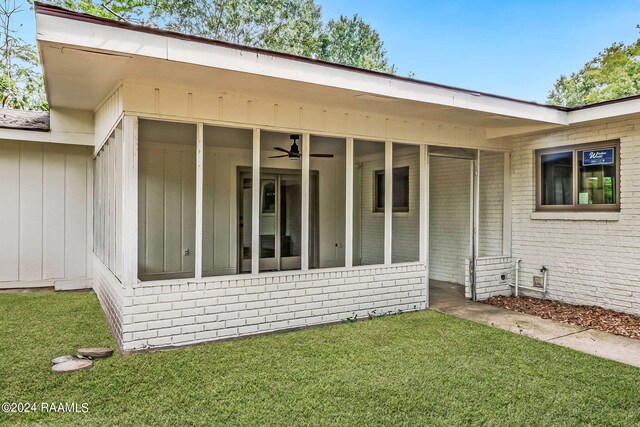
207,190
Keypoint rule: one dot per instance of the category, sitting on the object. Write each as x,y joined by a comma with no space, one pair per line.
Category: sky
510,48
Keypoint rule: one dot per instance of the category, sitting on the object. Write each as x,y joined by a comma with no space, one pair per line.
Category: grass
418,368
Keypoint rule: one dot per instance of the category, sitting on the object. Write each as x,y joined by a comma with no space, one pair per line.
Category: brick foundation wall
110,294
173,313
488,277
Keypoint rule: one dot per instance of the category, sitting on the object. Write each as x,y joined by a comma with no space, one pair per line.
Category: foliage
286,26
20,78
421,368
135,11
351,41
613,74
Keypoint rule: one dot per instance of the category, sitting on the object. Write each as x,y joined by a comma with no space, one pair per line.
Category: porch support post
130,200
388,200
475,220
255,204
348,205
304,239
199,196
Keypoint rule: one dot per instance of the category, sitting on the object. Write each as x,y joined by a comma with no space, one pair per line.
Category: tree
351,41
290,26
20,80
135,11
613,74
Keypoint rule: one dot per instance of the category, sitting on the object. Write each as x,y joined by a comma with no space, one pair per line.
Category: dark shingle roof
21,119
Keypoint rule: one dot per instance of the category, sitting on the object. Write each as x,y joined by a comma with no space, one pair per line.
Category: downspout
518,276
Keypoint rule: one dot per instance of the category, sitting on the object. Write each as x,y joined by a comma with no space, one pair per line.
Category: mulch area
581,315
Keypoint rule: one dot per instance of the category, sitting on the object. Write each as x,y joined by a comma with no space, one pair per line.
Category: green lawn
418,368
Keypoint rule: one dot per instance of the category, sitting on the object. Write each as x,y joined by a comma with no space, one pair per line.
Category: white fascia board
72,138
129,42
607,111
327,75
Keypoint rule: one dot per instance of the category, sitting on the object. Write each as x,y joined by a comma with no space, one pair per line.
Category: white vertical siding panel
76,212
155,212
221,218
9,210
208,211
188,214
53,211
173,205
31,211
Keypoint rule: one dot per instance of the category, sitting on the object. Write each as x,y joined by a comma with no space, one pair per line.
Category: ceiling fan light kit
294,153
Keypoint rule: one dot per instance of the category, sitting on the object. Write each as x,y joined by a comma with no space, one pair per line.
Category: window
400,190
582,177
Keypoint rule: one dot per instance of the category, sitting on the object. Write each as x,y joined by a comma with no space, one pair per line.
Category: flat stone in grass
61,359
72,365
95,353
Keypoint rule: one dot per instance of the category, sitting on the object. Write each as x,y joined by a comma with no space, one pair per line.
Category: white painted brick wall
489,282
491,203
182,312
590,262
449,218
111,296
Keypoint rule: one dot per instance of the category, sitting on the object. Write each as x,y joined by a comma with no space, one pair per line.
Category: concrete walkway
449,298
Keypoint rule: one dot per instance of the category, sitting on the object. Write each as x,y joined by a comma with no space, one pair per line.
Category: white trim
199,196
52,137
348,207
606,111
388,201
424,204
130,200
267,274
304,238
255,204
576,216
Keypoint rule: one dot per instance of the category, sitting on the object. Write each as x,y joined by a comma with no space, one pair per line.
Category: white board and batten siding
45,214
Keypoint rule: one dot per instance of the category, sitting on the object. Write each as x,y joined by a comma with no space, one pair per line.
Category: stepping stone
95,353
72,365
61,359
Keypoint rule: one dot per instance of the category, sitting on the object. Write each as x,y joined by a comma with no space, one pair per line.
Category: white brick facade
493,276
592,258
180,312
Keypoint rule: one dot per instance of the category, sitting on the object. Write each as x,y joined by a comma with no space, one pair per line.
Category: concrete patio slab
449,299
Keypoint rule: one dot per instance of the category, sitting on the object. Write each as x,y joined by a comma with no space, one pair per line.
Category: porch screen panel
280,207
368,207
406,203
107,215
327,208
226,201
166,199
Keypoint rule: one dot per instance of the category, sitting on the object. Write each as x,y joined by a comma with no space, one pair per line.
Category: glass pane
596,183
267,218
401,186
406,203
290,216
557,179
368,223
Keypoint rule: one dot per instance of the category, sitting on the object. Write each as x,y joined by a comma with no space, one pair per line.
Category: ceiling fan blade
282,149
277,157
321,155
